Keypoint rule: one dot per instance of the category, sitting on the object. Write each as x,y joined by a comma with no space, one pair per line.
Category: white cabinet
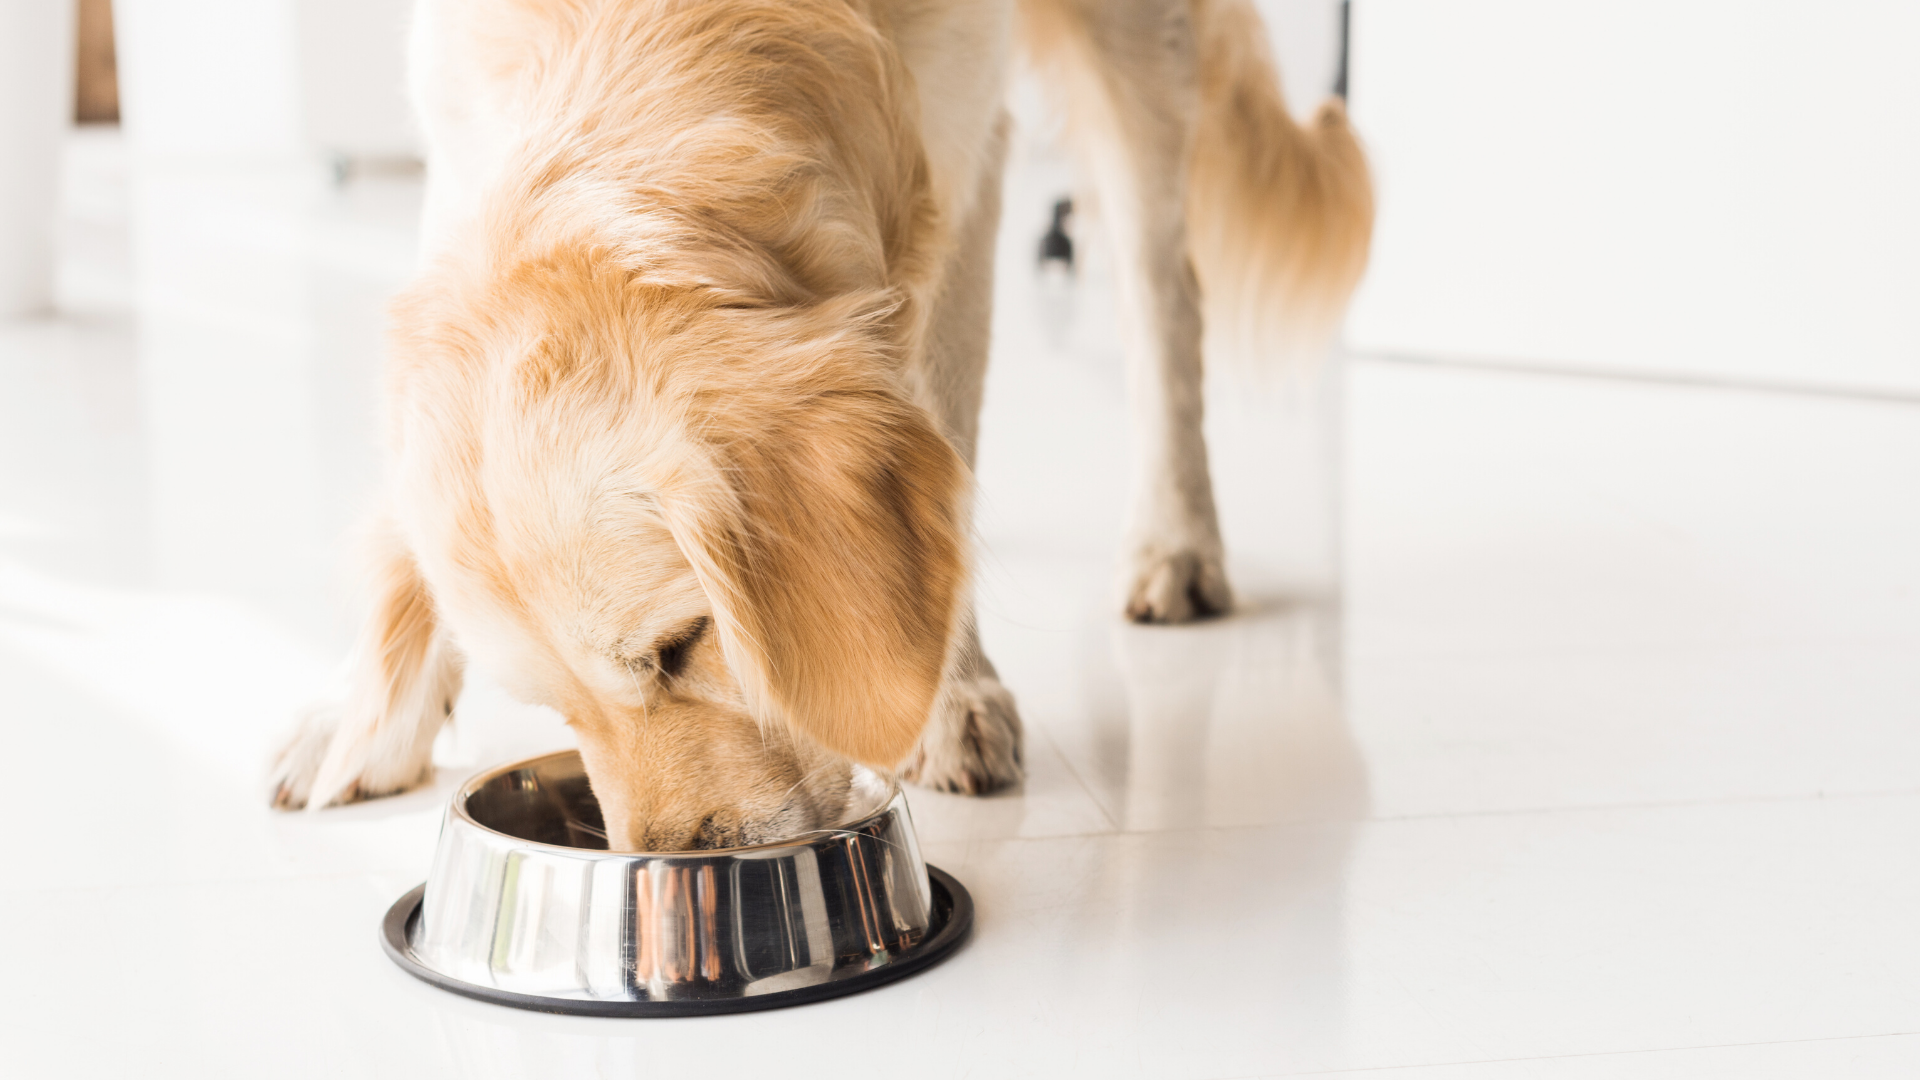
36,104
265,79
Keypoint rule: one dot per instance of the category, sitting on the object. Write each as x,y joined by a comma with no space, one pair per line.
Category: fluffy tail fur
1279,214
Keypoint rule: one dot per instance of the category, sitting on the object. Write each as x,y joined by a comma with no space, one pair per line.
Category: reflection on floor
1565,728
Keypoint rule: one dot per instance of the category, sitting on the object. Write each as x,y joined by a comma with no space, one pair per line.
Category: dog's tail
1279,214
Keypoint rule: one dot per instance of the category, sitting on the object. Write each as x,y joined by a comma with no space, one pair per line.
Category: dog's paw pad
972,743
290,774
371,774
1177,587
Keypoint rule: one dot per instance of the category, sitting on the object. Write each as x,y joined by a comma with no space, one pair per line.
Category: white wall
1717,188
1306,48
209,78
264,79
36,105
353,74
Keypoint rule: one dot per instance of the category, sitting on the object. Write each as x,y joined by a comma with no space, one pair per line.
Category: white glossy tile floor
1568,728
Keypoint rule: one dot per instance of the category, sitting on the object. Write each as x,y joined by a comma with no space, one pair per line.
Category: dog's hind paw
1177,587
310,768
972,742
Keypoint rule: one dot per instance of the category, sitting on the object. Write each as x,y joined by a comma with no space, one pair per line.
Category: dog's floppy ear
828,534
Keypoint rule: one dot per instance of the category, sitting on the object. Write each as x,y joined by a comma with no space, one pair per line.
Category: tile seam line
198,882
1563,1057
1657,804
1310,823
1640,377
1186,830
1896,639
1066,762
1632,652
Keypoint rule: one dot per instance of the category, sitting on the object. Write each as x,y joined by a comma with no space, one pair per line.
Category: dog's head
719,540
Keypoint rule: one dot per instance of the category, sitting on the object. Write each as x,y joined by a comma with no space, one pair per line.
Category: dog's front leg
403,677
972,742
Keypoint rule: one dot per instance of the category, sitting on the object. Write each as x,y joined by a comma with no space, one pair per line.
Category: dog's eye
673,654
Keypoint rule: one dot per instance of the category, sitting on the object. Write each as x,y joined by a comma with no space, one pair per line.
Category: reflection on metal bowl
526,907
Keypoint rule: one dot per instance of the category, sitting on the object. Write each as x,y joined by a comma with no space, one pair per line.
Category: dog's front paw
1177,586
310,768
972,742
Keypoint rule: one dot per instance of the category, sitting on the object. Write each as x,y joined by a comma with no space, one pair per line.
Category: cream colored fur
685,394
1279,214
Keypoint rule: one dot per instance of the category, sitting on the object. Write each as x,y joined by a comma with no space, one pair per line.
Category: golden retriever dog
684,399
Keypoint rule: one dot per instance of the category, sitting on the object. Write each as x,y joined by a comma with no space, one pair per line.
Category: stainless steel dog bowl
525,906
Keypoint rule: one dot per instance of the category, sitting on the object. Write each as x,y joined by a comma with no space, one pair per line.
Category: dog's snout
719,829
687,775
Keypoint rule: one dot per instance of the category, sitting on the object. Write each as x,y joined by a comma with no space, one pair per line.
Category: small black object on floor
1057,246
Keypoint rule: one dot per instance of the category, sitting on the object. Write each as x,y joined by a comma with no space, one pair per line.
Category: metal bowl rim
894,801
942,943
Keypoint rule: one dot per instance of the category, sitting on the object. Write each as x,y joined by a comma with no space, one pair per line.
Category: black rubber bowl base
952,920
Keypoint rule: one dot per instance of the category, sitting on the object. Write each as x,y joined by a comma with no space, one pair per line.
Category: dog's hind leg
403,677
1129,70
972,740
